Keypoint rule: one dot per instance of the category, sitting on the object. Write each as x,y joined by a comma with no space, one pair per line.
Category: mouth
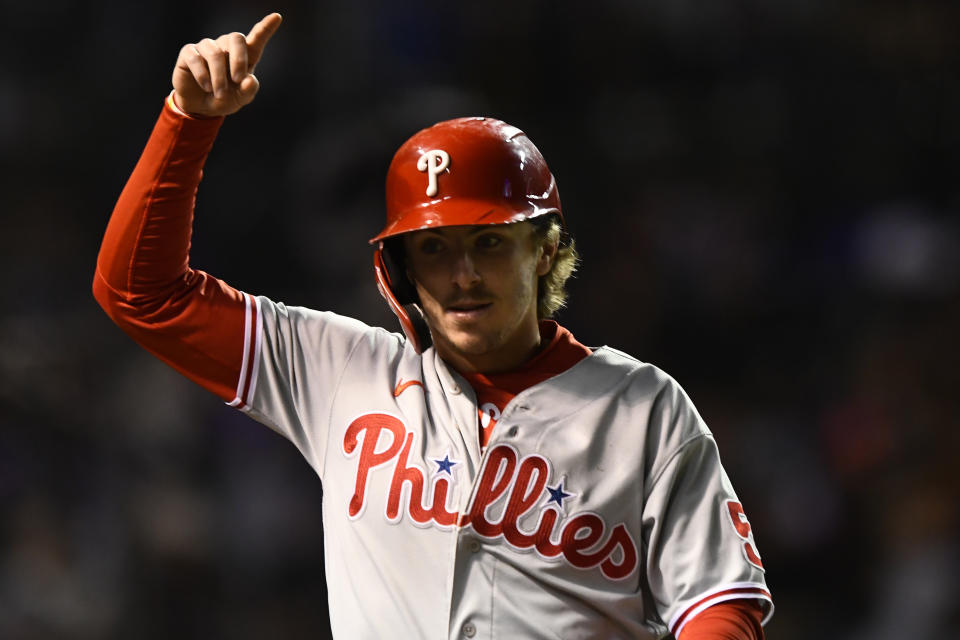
468,310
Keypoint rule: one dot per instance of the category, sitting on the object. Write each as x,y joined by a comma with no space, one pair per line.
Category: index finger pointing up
259,36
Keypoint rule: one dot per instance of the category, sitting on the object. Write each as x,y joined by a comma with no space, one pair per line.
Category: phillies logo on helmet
433,162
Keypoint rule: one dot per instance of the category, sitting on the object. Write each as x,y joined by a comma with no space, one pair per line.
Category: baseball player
485,474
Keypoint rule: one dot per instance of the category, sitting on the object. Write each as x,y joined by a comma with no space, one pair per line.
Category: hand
215,77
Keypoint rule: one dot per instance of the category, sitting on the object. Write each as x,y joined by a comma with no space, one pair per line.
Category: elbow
96,288
102,293
113,303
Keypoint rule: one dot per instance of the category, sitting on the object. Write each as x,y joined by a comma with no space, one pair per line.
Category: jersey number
742,525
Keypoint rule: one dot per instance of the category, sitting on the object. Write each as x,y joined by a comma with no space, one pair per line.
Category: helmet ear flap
401,296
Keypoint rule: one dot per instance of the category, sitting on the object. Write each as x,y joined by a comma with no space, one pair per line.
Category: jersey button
474,546
469,630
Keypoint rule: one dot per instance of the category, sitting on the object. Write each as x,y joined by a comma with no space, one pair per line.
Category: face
478,290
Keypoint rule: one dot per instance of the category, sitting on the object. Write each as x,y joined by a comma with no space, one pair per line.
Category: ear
548,253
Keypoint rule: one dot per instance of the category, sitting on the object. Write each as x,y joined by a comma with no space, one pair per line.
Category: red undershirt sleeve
192,321
731,620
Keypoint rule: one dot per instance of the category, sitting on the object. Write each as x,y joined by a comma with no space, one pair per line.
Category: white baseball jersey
599,508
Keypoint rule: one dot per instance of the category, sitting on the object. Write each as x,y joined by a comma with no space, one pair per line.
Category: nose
464,273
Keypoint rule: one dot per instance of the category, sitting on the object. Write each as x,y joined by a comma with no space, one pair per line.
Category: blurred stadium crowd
765,194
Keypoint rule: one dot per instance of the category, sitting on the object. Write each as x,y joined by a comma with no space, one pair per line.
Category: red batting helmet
466,171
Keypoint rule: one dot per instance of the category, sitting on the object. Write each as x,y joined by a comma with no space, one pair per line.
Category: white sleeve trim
250,363
731,591
258,334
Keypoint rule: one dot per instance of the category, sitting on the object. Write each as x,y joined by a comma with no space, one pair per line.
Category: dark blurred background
765,195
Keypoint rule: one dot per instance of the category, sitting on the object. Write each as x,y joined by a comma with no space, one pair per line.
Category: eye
488,240
431,245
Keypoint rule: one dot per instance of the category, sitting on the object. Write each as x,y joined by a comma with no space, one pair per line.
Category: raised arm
196,323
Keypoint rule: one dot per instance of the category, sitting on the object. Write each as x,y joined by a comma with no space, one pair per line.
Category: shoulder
647,393
326,331
620,382
637,381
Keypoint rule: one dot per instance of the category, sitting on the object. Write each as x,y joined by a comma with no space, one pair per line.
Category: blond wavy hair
551,291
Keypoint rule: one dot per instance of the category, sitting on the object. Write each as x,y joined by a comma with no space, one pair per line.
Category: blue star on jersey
558,495
445,465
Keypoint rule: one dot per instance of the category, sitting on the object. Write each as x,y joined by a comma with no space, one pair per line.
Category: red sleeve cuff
730,620
173,106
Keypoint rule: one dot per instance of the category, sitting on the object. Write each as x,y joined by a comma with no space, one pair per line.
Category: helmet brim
451,212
